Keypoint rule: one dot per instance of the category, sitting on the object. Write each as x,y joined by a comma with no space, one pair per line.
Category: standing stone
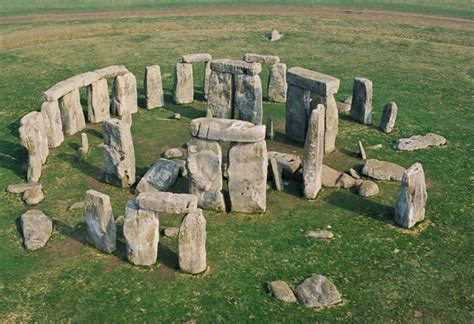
52,123
36,228
313,153
153,87
410,208
248,104
361,107
277,86
248,167
119,153
269,133
141,231
331,123
159,177
99,219
72,116
389,116
219,97
297,111
276,171
124,97
98,104
204,165
207,75
192,243
183,88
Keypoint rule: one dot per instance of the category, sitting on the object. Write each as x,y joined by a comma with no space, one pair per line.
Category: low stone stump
227,130
52,123
159,177
361,107
72,116
36,229
153,87
167,202
248,104
124,95
382,170
192,243
389,116
220,95
98,107
183,88
313,153
100,223
277,86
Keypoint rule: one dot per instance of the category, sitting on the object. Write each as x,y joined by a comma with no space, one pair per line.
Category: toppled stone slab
290,163
171,231
324,235
281,291
98,103
33,196
257,58
100,223
275,36
167,202
220,95
173,153
317,291
72,116
383,170
196,58
66,86
313,153
111,71
22,187
153,87
235,67
192,243
159,177
368,189
248,104
183,86
418,142
354,173
346,181
317,83
389,116
229,130
52,123
330,177
36,228
361,107
277,85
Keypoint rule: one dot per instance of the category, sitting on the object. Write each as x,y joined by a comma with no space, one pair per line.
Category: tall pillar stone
248,104
192,243
298,104
207,75
183,88
361,107
124,94
313,153
331,124
100,223
72,116
389,116
98,103
52,123
220,97
277,86
153,87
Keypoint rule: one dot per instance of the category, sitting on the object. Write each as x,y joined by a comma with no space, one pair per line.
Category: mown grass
384,274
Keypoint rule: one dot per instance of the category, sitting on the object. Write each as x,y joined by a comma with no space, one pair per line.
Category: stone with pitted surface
317,83
100,223
183,86
257,58
220,95
196,58
153,87
248,104
313,153
317,291
277,86
418,142
36,228
167,202
361,107
159,177
229,130
72,116
52,123
124,95
383,170
235,67
98,103
192,243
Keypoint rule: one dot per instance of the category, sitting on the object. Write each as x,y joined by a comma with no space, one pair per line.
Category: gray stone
84,149
331,123
141,231
72,116
235,67
22,187
153,87
322,235
318,83
64,87
173,153
228,130
183,88
77,205
52,123
220,95
111,71
298,104
248,105
290,163
36,228
346,181
313,153
276,171
368,189
277,86
192,243
196,58
248,166
33,196
330,177
257,58
99,219
354,173
361,107
98,103
269,133
362,153
167,202
124,95
171,231
383,170
418,142
281,291
389,116
177,116
275,35
411,202
348,100
207,75
317,291
159,177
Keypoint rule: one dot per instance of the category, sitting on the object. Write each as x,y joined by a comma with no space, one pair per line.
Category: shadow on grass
281,138
77,233
185,110
83,166
13,157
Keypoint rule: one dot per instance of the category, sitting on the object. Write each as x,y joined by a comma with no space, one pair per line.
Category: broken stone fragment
354,174
346,181
383,170
319,234
368,189
22,187
418,142
276,171
275,35
159,177
281,291
330,177
36,228
77,205
173,153
290,163
317,291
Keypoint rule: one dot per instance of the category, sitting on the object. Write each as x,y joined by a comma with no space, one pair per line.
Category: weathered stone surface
383,170
248,104
141,231
322,235
171,231
167,202
389,116
298,104
331,120
196,58
72,116
153,87
418,142
275,35
248,166
330,177
317,291
346,181
354,173
318,83
411,202
269,133
159,177
257,58
220,95
192,243
84,149
276,171
313,153
77,205
207,75
177,116
52,123
290,163
281,291
183,87
99,219
119,153
33,196
361,107
64,87
228,130
204,165
343,108
111,71
368,189
124,95
36,228
235,67
182,167
98,103
375,147
362,153
22,187
173,153
277,86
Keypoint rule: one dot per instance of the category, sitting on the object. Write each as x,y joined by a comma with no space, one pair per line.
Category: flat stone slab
318,83
257,58
290,163
228,130
325,235
317,291
383,170
64,87
418,142
235,67
167,202
281,291
196,58
160,177
36,228
112,71
330,177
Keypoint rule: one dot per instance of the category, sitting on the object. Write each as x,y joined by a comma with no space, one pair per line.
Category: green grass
383,273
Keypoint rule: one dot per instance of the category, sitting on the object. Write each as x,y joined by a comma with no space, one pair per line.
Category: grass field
385,274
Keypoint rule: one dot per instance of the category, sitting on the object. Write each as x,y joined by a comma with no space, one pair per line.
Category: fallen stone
277,86
173,153
298,104
171,231
368,189
290,163
22,187
72,116
167,202
313,153
33,196
375,147
111,71
362,153
389,116
330,177
124,95
361,107
98,102
77,205
248,104
318,83
275,35
196,58
346,181
99,219
159,177
281,291
325,235
192,243
317,291
331,123
52,123
36,228
269,133
228,130
418,142
382,170
153,87
276,171
354,173
235,67
64,87
220,95
257,58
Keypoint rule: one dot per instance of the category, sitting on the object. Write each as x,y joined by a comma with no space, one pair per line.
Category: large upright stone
142,232
183,88
410,208
227,130
220,96
159,177
331,123
52,123
36,228
98,104
389,116
99,219
204,165
192,243
318,83
277,86
248,103
153,87
119,153
248,167
124,95
298,104
313,153
72,116
167,202
361,107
